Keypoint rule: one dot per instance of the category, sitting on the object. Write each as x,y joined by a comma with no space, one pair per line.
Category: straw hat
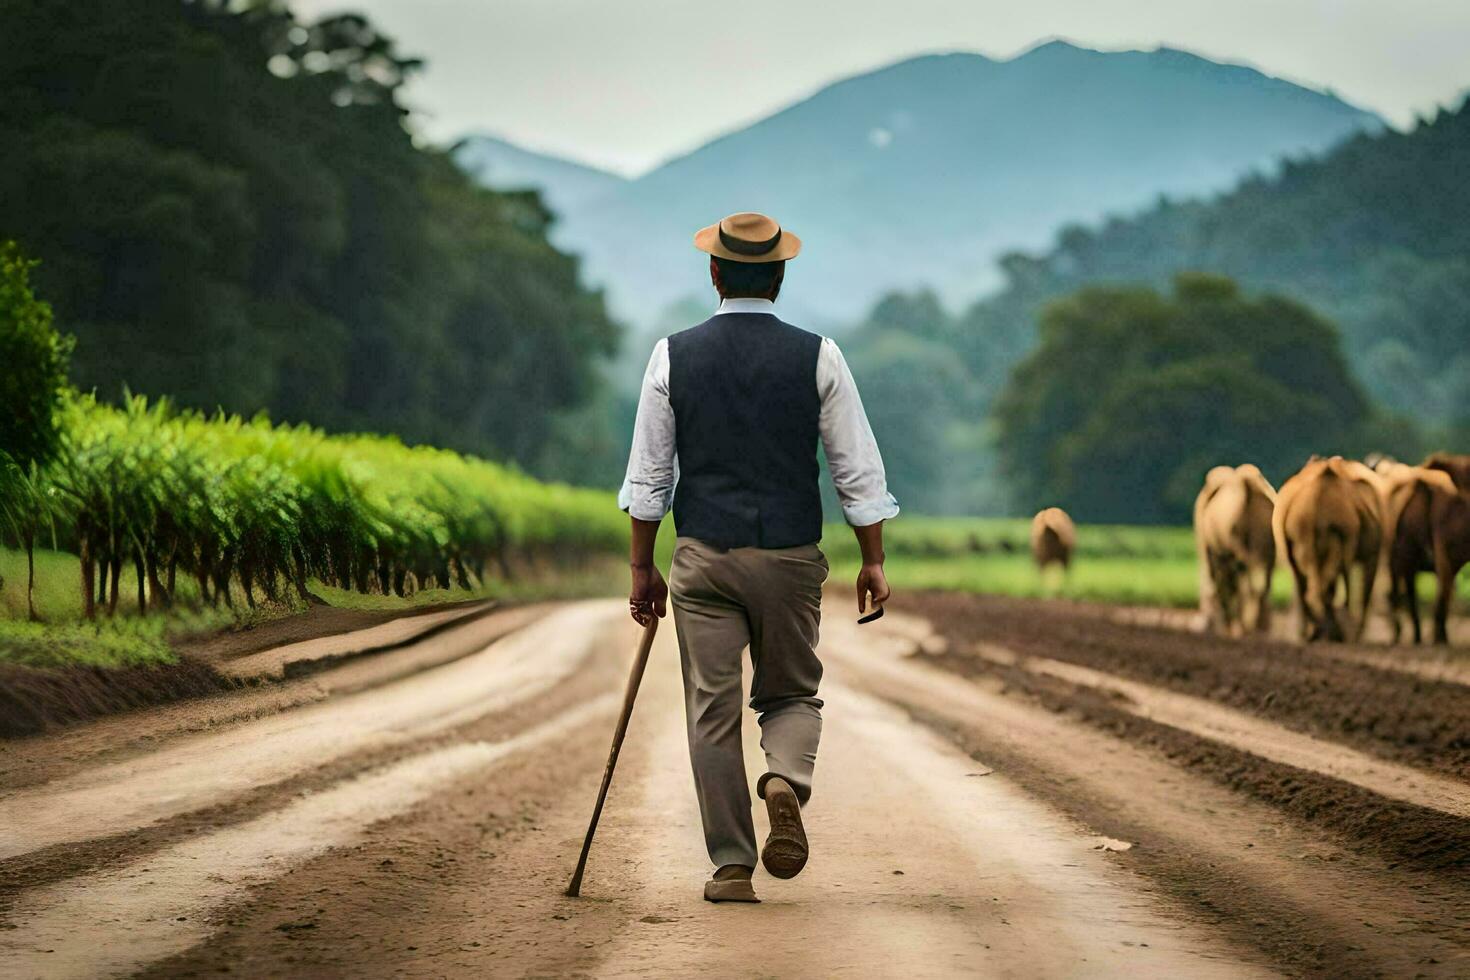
748,237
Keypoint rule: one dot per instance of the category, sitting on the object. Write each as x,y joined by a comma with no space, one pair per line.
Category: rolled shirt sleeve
852,452
648,489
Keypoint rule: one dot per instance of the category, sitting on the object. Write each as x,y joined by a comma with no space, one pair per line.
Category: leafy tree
231,211
1131,396
35,358
31,386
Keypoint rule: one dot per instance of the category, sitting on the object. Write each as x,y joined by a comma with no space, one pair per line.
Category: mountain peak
1055,46
962,158
918,65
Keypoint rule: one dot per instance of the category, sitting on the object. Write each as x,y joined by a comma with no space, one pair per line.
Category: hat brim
707,240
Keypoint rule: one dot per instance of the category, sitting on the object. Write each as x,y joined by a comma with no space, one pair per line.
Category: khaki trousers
770,600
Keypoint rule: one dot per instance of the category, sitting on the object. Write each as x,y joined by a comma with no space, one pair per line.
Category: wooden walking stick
634,679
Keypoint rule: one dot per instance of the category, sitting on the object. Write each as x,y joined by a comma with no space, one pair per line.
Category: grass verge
1124,565
126,640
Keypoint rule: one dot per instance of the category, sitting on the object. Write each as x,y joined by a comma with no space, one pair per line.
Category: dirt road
418,814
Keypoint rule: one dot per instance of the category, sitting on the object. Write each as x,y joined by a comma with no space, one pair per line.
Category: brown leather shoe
785,852
731,884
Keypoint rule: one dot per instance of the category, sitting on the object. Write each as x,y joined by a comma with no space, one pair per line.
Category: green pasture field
1153,566
1126,565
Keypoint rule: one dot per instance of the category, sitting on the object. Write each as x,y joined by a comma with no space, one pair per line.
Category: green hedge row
242,507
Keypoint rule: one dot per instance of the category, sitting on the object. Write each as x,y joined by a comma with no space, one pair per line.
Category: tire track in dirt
467,883
277,663
593,676
35,701
1313,780
1238,730
198,772
1313,904
1432,663
52,757
1389,714
161,903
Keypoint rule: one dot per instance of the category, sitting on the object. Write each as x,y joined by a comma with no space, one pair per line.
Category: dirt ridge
1394,715
36,700
60,861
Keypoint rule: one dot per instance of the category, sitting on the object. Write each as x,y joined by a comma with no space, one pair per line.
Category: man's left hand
871,582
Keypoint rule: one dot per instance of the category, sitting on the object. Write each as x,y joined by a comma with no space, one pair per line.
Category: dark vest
746,410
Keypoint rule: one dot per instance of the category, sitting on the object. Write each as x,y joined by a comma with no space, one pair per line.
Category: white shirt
852,452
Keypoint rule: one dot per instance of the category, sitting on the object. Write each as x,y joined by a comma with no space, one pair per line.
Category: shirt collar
745,304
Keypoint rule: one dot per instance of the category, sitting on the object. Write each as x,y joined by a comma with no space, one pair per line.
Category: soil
1291,888
1400,833
968,817
1311,689
317,621
1385,712
35,700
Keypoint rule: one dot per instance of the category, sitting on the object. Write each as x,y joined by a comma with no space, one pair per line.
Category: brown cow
1449,522
1409,539
1237,549
1328,520
1053,537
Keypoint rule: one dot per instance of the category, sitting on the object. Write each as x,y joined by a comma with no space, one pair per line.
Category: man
733,409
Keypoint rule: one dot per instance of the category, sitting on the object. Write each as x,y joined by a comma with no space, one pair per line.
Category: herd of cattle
1339,525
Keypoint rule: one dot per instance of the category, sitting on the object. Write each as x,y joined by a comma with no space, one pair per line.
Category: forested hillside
1374,236
229,210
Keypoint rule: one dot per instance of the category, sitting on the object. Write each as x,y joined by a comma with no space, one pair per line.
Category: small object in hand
877,613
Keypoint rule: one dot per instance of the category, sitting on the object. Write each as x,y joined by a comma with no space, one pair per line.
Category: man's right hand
871,583
649,596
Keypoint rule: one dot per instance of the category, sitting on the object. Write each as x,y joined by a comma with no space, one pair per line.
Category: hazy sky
626,84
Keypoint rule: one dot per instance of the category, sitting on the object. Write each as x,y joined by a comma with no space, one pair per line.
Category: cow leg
1225,611
1304,618
1263,602
1324,592
1411,600
1208,605
1395,605
1259,577
1299,580
1444,572
1442,609
1247,600
1226,594
1332,629
1369,577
